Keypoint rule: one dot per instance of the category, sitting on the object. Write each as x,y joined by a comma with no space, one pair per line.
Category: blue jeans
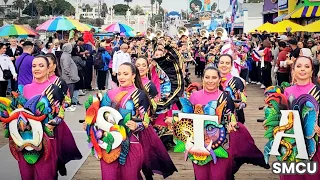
9,86
75,97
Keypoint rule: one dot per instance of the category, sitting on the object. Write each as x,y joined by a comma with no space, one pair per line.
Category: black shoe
8,94
79,104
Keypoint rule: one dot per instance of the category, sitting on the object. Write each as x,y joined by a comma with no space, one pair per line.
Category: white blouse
6,63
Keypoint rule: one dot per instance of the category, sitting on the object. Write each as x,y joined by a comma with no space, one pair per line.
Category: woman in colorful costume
156,158
38,110
303,97
66,146
234,85
225,152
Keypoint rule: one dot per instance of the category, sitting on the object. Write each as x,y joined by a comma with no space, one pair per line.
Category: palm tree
159,3
104,10
53,5
152,3
87,8
26,2
128,1
39,7
5,4
19,4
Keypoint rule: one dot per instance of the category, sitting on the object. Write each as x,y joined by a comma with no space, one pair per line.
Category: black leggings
282,77
266,74
102,76
88,76
3,88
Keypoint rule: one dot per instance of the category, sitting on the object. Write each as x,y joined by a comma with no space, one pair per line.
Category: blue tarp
173,13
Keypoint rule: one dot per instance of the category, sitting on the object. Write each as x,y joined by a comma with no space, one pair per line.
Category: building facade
303,12
270,10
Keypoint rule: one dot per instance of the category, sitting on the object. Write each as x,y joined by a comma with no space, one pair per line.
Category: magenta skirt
130,170
42,169
242,149
315,176
222,170
66,147
156,157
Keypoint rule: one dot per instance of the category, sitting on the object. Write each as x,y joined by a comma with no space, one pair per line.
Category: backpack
98,61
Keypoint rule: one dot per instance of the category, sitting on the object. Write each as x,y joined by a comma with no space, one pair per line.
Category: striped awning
279,18
305,12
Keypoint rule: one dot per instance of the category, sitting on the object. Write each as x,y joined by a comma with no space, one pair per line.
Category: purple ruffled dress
156,157
242,148
134,160
298,90
63,147
131,169
42,169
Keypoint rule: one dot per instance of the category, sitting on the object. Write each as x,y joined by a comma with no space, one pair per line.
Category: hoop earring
133,83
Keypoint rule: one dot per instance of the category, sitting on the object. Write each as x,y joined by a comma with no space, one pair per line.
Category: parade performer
229,48
156,158
66,146
302,99
125,160
143,68
30,120
234,85
222,153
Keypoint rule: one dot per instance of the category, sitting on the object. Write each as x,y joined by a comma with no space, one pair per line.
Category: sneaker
253,82
262,86
258,83
72,108
82,93
247,83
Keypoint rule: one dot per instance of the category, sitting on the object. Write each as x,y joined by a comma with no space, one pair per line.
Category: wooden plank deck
90,170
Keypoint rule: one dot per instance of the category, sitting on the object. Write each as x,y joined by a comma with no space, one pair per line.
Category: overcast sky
169,5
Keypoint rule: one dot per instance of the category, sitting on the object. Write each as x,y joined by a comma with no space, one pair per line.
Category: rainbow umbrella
118,27
10,30
127,34
79,26
59,23
90,26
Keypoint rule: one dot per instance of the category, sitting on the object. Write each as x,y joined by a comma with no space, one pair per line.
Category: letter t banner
198,129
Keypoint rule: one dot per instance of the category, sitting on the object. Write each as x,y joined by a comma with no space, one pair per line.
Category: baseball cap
283,38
